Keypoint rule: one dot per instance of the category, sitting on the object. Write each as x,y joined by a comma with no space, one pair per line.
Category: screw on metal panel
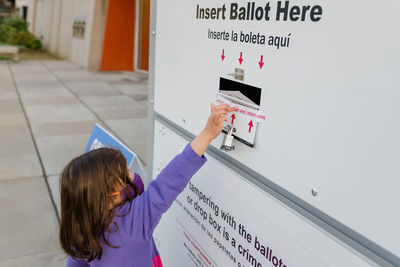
153,32
184,120
314,192
151,101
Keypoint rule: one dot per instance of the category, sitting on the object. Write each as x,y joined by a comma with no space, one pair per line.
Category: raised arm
147,208
213,128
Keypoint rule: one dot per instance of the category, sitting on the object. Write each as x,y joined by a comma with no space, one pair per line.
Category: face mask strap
127,193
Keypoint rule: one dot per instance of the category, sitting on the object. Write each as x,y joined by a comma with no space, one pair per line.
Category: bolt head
314,192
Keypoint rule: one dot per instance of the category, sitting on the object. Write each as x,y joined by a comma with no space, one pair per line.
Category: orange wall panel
144,34
118,48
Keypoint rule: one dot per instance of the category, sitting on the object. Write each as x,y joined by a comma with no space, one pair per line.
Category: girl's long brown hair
85,185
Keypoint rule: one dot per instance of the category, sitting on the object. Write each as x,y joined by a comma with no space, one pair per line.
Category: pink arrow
223,54
250,125
261,63
241,58
233,118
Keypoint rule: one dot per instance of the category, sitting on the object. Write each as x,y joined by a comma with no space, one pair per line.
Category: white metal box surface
331,99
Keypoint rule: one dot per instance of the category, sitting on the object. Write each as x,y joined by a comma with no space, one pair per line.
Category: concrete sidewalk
47,111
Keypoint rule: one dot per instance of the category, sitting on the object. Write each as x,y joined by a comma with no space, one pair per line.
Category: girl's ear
114,201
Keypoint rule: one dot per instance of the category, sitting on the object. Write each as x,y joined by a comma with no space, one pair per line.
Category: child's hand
213,128
216,120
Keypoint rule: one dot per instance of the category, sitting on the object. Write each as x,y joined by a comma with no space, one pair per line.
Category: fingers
221,119
217,119
213,108
225,107
221,112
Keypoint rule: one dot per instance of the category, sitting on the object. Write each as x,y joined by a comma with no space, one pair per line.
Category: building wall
43,17
54,28
53,25
98,32
74,48
29,4
52,21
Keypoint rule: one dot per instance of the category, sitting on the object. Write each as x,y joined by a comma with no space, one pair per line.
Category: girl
106,220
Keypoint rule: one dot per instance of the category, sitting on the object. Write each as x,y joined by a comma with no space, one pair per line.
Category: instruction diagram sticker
101,138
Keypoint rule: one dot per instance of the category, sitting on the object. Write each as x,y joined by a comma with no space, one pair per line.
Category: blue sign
101,138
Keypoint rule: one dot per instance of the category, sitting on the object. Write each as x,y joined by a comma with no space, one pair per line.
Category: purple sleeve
139,182
76,263
147,208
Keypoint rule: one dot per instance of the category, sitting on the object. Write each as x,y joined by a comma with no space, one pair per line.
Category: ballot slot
244,122
246,94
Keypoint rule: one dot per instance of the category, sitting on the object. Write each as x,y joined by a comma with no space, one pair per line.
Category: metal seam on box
150,108
355,240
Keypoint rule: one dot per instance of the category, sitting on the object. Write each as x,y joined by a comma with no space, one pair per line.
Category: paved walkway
47,111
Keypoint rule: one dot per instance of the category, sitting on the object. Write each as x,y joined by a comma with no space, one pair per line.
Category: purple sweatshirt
134,237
